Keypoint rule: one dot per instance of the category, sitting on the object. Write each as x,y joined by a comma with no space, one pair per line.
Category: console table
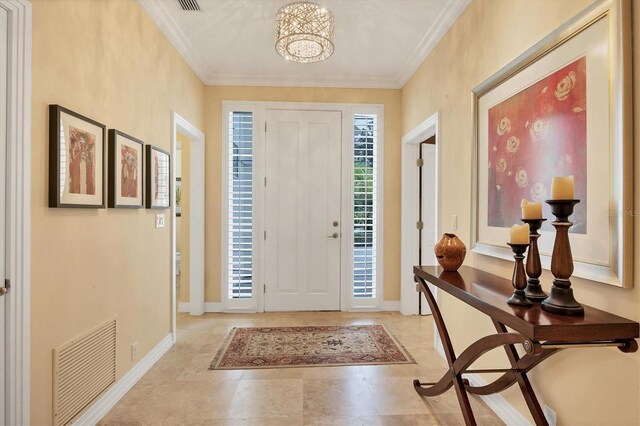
540,333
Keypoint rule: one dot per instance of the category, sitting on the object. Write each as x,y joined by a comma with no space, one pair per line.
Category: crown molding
160,14
441,25
303,81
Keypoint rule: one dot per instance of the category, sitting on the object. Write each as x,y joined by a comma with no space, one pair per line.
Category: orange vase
450,252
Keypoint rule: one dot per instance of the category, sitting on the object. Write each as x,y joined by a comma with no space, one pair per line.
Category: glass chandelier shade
304,32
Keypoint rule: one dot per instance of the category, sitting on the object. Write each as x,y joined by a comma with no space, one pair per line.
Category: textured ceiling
379,43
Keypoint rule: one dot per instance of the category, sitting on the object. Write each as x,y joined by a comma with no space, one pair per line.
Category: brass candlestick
561,300
519,279
534,267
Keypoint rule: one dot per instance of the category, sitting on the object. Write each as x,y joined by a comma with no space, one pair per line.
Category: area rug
278,347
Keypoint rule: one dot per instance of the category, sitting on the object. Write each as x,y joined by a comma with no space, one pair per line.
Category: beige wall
213,163
586,386
185,228
106,60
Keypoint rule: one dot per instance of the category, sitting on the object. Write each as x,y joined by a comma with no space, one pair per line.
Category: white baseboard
109,399
387,306
391,305
507,413
208,307
503,409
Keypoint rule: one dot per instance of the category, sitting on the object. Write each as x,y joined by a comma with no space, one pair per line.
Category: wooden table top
488,293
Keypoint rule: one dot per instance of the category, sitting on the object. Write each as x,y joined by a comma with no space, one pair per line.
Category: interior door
428,199
4,39
303,232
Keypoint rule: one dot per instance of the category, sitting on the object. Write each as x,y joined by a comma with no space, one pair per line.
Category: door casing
258,108
18,224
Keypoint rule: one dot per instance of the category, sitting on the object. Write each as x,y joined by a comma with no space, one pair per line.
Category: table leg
458,382
523,380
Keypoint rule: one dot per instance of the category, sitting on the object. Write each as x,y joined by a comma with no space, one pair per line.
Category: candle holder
519,279
534,267
561,300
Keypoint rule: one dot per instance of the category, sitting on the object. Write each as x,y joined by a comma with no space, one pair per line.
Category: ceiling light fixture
304,32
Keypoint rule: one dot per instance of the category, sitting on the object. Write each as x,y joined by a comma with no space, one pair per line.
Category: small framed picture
76,160
126,170
158,178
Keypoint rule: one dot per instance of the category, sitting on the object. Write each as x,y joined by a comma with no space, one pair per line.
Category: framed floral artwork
562,108
126,170
76,160
158,179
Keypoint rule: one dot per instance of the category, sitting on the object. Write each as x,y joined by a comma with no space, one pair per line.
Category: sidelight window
365,167
240,196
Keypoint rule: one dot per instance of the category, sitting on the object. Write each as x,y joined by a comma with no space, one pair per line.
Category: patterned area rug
277,347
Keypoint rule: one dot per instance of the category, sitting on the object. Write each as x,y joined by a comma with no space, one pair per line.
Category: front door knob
334,235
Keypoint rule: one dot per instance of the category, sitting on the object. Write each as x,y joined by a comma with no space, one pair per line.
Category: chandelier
304,32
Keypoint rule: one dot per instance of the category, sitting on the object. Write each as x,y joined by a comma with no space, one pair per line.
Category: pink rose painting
534,135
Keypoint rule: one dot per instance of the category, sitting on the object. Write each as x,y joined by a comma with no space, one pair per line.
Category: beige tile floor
180,390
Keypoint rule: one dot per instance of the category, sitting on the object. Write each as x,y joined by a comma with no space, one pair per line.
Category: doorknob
4,290
334,235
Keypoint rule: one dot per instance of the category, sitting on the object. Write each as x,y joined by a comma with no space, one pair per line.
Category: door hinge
265,235
419,224
419,162
7,285
265,127
264,288
265,181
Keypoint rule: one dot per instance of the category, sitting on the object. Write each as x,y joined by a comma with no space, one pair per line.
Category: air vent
189,4
82,370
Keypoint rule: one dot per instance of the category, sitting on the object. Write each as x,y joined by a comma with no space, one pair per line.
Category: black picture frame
77,160
154,174
126,191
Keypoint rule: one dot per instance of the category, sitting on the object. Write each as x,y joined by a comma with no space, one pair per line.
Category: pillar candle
562,188
519,234
531,210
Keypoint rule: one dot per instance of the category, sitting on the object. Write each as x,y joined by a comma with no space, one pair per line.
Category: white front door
303,190
4,40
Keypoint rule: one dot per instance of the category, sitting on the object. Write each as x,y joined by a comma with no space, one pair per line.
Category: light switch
160,220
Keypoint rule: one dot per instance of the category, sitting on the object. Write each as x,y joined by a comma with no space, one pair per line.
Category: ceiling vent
189,5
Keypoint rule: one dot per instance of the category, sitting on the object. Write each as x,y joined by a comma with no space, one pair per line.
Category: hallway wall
586,386
108,61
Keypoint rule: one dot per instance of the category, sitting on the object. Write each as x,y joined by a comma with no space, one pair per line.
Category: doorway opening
426,213
189,225
420,208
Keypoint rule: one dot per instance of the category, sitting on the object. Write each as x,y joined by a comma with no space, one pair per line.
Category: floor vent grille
82,369
189,4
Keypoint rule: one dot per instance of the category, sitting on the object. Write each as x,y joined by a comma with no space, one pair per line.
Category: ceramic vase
450,252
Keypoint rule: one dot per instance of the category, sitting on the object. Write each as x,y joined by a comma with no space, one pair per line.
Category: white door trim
409,250
196,218
256,304
19,211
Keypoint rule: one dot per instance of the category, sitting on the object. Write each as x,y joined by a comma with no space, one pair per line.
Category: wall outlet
454,222
134,351
160,220
550,415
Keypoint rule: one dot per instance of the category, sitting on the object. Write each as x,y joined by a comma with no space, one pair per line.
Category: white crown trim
159,13
445,20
